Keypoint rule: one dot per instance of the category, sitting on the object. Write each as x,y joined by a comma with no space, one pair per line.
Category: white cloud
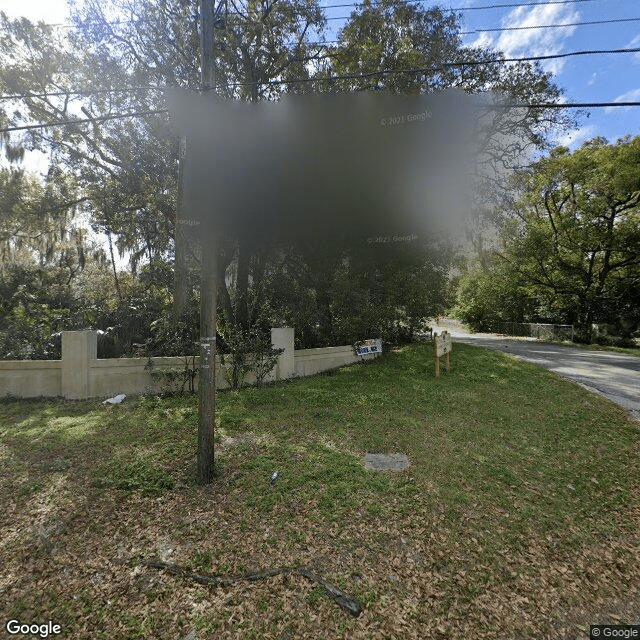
629,96
537,42
633,44
592,79
574,139
483,40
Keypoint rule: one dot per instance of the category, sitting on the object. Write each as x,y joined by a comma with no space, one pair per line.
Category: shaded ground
518,517
614,375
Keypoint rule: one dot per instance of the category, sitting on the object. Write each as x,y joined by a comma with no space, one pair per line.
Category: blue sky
594,78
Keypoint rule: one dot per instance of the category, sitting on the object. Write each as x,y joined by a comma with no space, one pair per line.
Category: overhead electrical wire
355,5
358,5
442,67
363,75
79,92
462,9
533,26
515,105
462,33
60,123
551,26
486,29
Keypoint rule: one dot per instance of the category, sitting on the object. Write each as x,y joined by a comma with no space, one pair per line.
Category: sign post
442,347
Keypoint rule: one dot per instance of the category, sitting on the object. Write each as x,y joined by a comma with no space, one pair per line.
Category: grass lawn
519,516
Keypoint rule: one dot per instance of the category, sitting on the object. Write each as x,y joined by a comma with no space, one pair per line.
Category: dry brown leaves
66,550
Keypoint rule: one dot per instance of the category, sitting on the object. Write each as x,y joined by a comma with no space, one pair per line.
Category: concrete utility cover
386,462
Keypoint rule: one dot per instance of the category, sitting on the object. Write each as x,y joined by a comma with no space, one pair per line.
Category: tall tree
397,38
39,224
574,234
261,42
117,164
124,51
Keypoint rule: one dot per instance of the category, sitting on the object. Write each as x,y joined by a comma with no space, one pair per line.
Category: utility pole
209,283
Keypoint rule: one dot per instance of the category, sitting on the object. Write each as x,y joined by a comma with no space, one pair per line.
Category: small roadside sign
367,347
442,347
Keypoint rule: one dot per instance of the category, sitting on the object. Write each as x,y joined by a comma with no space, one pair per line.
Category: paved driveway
614,375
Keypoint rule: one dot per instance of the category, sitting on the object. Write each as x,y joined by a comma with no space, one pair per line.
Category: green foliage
27,489
37,303
571,244
124,171
488,294
248,351
174,379
202,561
388,292
26,333
134,470
32,302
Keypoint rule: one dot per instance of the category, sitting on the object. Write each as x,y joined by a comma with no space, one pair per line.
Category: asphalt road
614,375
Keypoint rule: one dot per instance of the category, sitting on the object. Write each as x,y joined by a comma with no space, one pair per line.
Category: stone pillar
282,338
78,348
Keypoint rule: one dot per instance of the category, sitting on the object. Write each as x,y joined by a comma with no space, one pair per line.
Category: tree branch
348,603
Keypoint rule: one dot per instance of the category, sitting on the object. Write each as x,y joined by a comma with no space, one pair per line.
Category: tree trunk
113,264
585,321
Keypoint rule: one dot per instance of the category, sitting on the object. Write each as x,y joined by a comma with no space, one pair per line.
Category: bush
249,350
174,380
491,295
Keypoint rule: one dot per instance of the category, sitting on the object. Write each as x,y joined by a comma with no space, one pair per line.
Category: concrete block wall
30,378
308,362
81,375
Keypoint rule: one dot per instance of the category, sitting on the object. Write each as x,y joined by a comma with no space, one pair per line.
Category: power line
334,6
463,9
514,105
78,92
59,123
442,67
534,26
551,26
573,105
462,33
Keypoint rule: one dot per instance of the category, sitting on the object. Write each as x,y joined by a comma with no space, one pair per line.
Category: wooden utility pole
209,283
